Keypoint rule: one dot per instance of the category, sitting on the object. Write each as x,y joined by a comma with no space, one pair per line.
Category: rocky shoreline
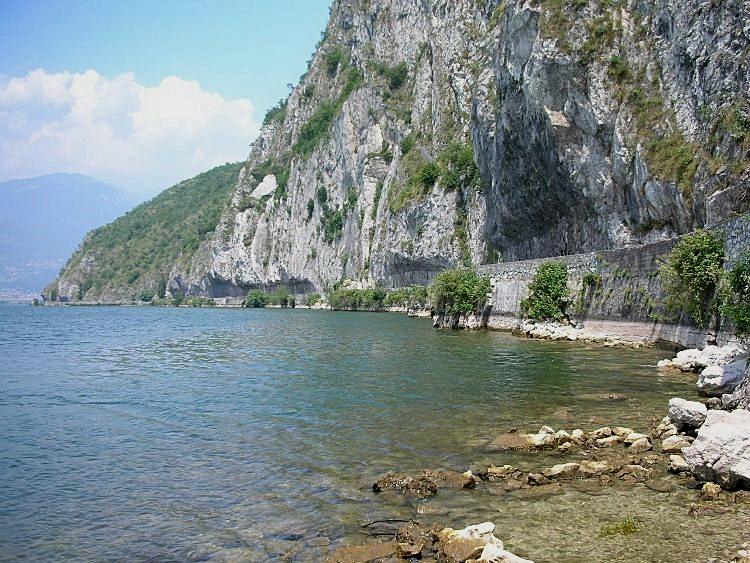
703,447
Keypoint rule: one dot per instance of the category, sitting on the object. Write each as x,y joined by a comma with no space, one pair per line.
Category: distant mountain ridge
42,221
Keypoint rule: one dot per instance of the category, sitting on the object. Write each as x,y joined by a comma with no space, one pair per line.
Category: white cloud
115,129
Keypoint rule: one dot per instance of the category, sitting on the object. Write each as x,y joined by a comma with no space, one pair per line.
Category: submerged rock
677,464
363,553
562,471
640,445
420,486
674,444
710,491
721,452
687,413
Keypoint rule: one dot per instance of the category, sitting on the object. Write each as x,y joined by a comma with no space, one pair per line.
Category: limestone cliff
429,133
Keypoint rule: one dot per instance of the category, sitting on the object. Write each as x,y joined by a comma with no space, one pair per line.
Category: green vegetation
412,297
354,299
333,224
548,292
310,208
395,75
199,302
333,59
256,298
592,279
312,299
319,124
454,169
459,291
277,113
625,527
691,275
406,144
280,296
736,295
141,247
458,169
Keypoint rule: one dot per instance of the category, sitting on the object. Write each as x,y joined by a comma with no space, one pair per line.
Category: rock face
721,452
426,135
740,399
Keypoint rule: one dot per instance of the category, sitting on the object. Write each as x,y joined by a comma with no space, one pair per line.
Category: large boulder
718,380
721,452
696,360
687,413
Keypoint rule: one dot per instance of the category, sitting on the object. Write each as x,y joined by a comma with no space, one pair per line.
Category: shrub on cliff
459,291
548,292
691,275
736,295
255,298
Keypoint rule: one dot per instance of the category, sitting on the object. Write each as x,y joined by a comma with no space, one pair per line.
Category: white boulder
695,360
475,543
266,187
687,413
721,452
719,379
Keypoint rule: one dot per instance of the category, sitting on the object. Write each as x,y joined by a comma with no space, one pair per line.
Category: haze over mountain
42,221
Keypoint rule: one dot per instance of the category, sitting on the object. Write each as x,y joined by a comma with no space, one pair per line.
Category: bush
255,298
354,299
200,302
459,169
279,297
414,296
736,298
333,59
406,144
691,275
428,175
333,225
310,208
458,291
548,292
276,113
312,299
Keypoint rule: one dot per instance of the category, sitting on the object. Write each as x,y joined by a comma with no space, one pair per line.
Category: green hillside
138,250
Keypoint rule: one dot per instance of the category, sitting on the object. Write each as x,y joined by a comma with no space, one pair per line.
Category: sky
144,94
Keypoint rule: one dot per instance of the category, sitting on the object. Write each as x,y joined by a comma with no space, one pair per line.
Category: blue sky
240,49
144,93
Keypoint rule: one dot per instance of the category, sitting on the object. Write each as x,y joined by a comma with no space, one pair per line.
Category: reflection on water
169,434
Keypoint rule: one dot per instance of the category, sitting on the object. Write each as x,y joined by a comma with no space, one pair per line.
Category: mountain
42,220
140,249
426,135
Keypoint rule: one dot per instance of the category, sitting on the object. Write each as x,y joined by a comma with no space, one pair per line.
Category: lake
172,434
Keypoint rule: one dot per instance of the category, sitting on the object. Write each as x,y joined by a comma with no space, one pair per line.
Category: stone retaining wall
628,303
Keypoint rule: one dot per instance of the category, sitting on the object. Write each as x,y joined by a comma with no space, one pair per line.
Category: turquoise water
170,434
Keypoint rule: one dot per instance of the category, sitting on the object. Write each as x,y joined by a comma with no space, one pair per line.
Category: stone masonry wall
629,300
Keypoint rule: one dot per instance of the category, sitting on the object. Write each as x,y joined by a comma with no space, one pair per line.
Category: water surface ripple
172,434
